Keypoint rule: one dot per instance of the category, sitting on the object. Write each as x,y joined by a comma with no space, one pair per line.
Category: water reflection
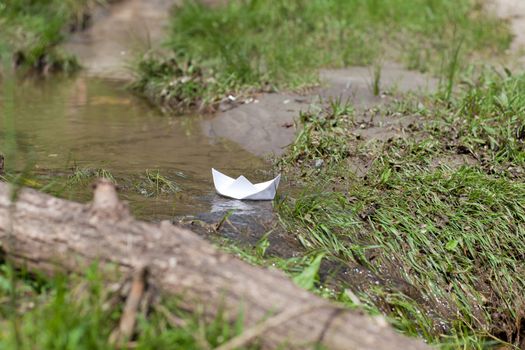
88,123
221,205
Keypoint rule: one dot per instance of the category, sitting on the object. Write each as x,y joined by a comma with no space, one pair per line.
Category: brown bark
47,234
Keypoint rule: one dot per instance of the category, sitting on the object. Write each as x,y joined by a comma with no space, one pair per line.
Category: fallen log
50,235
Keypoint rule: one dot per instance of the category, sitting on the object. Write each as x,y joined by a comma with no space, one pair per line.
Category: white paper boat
241,188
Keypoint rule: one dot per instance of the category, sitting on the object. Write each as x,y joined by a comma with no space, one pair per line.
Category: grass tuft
241,46
155,184
31,31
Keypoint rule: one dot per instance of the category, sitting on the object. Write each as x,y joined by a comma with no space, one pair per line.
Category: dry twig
129,316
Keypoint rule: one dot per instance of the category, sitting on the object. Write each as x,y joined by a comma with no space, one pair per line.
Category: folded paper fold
242,188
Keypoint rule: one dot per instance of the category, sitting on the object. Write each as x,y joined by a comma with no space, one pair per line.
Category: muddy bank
267,123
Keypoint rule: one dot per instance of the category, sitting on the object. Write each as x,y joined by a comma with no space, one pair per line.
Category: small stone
223,107
319,163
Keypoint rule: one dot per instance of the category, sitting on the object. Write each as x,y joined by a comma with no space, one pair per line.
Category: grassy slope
32,29
443,236
280,44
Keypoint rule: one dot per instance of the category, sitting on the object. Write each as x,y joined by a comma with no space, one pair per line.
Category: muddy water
63,125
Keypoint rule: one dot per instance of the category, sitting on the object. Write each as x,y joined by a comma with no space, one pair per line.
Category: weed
155,184
241,46
376,83
487,120
307,278
173,82
324,136
81,175
452,69
442,238
76,313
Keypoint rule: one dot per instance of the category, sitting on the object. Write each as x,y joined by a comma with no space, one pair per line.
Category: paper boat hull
241,188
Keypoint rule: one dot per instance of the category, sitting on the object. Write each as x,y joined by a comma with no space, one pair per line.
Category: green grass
32,29
442,236
156,184
324,134
80,313
243,46
81,175
439,241
490,118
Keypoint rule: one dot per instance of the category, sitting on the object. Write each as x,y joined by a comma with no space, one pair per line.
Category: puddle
87,123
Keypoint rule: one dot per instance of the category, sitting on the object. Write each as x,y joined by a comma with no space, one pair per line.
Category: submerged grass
156,184
81,175
239,46
150,184
438,236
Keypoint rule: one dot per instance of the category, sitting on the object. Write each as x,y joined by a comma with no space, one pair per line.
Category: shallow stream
68,130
